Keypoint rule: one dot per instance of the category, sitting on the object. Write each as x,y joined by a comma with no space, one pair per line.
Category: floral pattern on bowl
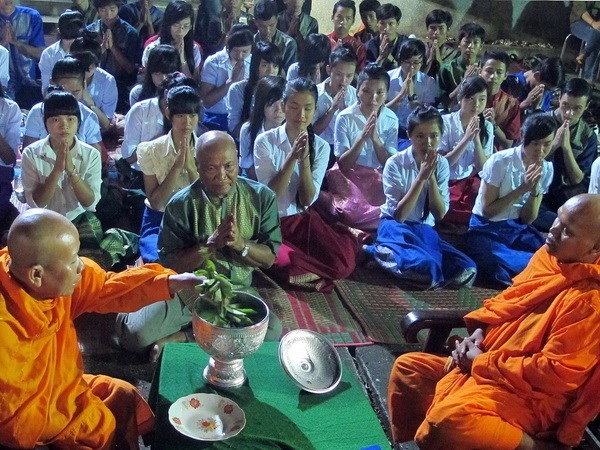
207,417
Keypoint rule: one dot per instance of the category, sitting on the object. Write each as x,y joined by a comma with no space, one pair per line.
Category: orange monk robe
45,397
539,371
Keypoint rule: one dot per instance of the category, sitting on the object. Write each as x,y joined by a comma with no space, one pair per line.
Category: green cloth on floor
278,414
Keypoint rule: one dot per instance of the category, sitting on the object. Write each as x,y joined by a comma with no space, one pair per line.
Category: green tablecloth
278,414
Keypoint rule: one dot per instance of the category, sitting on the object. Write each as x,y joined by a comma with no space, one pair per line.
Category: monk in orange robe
45,399
528,377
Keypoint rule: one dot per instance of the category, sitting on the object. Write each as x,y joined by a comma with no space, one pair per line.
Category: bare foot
156,349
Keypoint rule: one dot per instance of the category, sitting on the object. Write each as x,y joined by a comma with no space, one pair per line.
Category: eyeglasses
181,27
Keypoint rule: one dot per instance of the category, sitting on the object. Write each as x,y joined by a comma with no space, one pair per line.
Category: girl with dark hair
415,181
69,74
292,161
221,70
266,113
162,60
313,59
501,238
146,120
100,87
177,29
265,61
366,135
467,142
70,27
63,174
168,164
10,122
409,86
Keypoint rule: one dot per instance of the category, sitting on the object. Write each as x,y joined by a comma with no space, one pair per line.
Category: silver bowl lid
311,361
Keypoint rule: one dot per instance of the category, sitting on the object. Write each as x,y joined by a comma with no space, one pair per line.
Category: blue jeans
591,36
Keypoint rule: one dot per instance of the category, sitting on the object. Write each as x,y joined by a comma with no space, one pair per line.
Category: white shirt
4,67
10,125
292,72
134,94
324,103
216,71
595,178
234,101
425,88
103,90
349,126
270,152
89,130
247,153
453,132
157,158
143,122
37,163
506,171
399,174
151,45
48,58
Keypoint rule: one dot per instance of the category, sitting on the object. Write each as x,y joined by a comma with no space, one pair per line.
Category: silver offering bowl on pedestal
228,347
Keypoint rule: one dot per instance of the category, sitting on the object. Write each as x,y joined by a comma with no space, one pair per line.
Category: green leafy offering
218,293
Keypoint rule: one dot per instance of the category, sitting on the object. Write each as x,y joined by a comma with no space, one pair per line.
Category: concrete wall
528,20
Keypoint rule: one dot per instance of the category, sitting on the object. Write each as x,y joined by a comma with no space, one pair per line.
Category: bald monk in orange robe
529,375
45,399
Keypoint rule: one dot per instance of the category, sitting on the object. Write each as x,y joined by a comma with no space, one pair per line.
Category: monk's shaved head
34,236
575,234
585,209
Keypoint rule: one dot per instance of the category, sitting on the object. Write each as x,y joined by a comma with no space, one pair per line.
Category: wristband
245,250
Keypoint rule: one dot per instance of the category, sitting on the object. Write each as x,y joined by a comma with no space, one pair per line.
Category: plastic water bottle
17,183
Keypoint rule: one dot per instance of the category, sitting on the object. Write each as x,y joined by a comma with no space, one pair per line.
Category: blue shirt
28,27
89,130
516,85
130,13
103,90
126,39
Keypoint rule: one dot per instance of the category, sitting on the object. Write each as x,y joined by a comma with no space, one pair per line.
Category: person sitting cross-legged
527,376
228,219
415,182
500,238
167,163
467,143
46,398
63,174
366,135
292,160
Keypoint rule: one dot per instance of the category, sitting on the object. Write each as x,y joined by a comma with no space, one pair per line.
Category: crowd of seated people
372,142
257,137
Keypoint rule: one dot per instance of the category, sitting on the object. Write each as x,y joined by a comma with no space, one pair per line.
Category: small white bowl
207,417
